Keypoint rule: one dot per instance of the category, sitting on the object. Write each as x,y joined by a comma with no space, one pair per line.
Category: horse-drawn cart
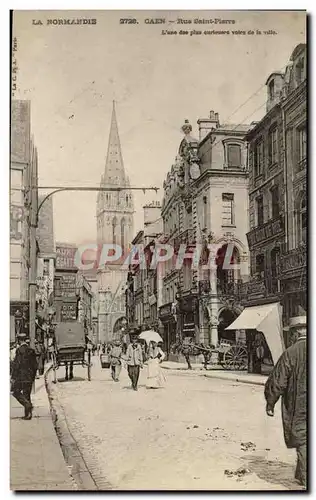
232,356
70,348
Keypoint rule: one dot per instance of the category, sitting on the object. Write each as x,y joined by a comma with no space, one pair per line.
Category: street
184,436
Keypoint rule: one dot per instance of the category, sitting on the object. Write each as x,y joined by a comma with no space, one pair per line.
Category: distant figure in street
115,360
288,381
186,348
24,368
134,360
40,356
155,377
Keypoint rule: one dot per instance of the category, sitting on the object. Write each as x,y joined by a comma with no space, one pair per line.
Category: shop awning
266,319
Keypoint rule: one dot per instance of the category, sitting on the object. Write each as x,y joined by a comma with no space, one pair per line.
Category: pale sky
157,81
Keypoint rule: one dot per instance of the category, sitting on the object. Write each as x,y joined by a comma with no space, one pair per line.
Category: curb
219,377
74,460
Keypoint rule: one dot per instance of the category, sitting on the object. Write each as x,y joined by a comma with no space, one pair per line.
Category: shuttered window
233,155
227,209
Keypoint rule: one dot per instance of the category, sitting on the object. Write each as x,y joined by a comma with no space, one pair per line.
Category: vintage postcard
158,212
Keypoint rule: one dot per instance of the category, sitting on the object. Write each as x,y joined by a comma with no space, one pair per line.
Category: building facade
277,192
205,206
293,263
46,257
143,290
23,199
114,226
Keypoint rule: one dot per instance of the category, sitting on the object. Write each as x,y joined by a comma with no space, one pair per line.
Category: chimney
207,124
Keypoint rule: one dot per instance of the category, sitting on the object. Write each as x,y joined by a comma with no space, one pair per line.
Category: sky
71,74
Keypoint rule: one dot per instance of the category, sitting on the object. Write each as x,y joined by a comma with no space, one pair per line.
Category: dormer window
234,156
271,90
299,71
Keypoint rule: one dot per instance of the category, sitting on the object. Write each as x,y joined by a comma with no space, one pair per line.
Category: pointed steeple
114,173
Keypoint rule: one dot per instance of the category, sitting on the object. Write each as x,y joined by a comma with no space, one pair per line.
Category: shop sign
69,312
68,285
269,230
65,257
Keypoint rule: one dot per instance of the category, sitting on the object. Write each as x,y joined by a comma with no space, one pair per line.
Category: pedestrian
40,356
24,368
186,348
115,360
155,377
288,381
134,360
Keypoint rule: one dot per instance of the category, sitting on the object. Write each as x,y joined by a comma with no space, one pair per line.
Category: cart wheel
236,358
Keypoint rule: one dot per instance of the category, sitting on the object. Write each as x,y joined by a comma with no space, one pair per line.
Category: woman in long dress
155,376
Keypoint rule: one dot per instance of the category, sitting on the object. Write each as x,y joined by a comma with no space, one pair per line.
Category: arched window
114,224
126,199
123,234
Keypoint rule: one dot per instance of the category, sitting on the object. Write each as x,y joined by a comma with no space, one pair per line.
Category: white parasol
150,336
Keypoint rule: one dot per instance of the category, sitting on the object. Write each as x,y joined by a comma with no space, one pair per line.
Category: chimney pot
216,117
212,115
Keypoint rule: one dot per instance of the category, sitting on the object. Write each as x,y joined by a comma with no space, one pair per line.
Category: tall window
299,71
273,146
260,265
303,221
204,212
275,202
114,222
275,258
301,143
260,217
259,157
227,209
46,267
271,90
234,156
123,234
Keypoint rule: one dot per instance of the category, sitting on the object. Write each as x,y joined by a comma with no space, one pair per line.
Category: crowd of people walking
135,356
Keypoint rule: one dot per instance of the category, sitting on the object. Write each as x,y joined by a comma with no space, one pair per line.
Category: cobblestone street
192,431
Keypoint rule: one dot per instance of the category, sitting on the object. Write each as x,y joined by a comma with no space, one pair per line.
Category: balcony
293,262
268,230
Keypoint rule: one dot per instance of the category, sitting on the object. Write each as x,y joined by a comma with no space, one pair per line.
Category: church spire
114,173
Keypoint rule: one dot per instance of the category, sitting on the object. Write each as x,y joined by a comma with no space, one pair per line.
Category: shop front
168,319
264,335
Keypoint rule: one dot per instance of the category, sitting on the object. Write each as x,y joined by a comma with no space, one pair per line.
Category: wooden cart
70,347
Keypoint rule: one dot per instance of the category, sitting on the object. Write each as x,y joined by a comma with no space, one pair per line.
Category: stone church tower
114,225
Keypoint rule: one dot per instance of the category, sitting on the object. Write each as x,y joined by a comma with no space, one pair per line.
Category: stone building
206,203
294,258
23,175
114,226
46,257
143,291
277,192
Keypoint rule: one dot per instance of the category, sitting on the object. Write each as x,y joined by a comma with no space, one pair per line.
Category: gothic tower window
114,224
123,234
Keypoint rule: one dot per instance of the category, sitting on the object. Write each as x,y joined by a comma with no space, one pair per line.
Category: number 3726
128,21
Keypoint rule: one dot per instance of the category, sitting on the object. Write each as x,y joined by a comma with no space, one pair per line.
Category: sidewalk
216,372
36,461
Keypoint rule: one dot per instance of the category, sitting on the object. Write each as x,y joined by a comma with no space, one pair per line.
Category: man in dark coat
288,381
23,374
